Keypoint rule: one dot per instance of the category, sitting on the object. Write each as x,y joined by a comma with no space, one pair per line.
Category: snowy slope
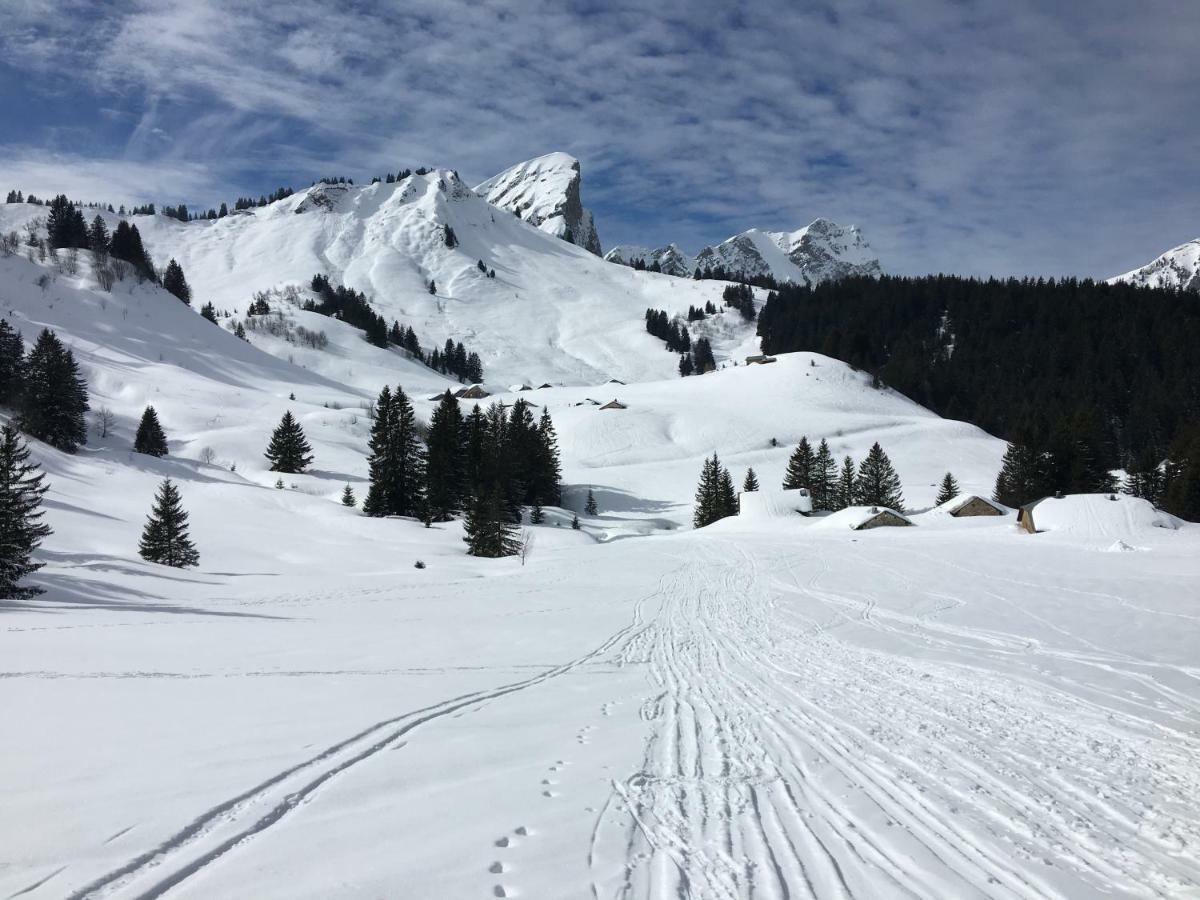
818,252
1177,268
545,192
554,312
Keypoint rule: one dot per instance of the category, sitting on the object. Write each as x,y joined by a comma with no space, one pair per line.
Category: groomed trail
788,758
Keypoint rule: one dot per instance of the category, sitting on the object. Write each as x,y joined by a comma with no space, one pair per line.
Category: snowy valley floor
762,709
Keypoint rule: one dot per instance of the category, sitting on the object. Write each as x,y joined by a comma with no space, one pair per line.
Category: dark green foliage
824,479
12,357
209,312
348,497
489,532
702,357
877,483
663,327
53,395
21,528
445,468
1024,476
715,497
289,450
575,526
750,483
536,515
165,538
948,491
432,287
845,490
1087,377
449,237
1181,477
350,306
258,306
98,236
126,244
65,225
741,298
590,508
397,460
685,365
150,437
800,467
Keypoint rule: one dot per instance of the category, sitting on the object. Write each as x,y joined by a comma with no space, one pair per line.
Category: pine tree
488,531
60,223
209,312
54,395
348,497
12,359
1022,478
165,538
846,490
126,244
240,332
445,465
575,526
877,483
21,528
750,484
536,515
589,507
824,478
800,467
289,451
715,497
174,282
727,502
150,438
548,469
685,365
98,236
948,491
397,461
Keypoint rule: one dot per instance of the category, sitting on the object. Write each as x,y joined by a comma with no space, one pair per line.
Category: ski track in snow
237,821
786,763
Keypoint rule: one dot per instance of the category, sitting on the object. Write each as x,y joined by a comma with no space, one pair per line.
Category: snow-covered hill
818,252
545,192
1178,268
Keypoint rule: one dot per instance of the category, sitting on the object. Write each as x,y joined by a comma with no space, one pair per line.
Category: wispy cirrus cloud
962,136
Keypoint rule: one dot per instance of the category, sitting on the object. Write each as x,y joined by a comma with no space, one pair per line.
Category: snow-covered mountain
1177,268
545,192
670,259
818,252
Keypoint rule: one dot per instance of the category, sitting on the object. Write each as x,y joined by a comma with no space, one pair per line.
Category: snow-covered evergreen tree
445,464
165,538
948,491
489,533
150,438
348,497
12,358
750,483
21,528
877,483
289,450
846,484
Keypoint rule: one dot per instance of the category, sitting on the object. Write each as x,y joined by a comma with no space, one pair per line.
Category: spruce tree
1022,477
824,478
60,223
846,489
727,503
750,484
21,528
445,466
12,359
948,491
174,281
877,483
715,496
575,526
397,461
150,438
376,503
289,451
98,236
208,311
165,538
54,395
488,531
348,496
800,466
536,515
548,469
589,507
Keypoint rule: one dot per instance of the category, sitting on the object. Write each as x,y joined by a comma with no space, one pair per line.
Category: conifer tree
488,531
590,506
54,395
824,478
548,469
800,466
536,515
575,526
348,496
397,461
21,528
126,244
12,359
150,438
98,236
208,311
750,484
715,497
1022,477
726,494
174,282
445,468
948,491
289,450
846,485
165,538
877,483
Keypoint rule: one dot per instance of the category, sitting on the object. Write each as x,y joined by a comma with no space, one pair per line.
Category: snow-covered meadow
765,707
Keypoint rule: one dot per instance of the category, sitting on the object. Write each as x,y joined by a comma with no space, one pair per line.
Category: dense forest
1081,377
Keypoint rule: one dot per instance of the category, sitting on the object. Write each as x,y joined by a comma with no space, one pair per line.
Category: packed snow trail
786,762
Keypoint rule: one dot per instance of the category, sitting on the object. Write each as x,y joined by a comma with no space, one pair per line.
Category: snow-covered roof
1106,516
770,503
954,504
856,517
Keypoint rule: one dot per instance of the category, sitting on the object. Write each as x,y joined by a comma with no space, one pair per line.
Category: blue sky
975,137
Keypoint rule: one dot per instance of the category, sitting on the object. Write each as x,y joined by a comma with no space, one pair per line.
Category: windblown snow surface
762,708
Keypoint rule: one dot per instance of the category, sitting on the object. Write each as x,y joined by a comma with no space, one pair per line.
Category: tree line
1080,377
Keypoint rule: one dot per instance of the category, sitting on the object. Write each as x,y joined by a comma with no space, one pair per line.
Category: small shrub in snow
419,564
